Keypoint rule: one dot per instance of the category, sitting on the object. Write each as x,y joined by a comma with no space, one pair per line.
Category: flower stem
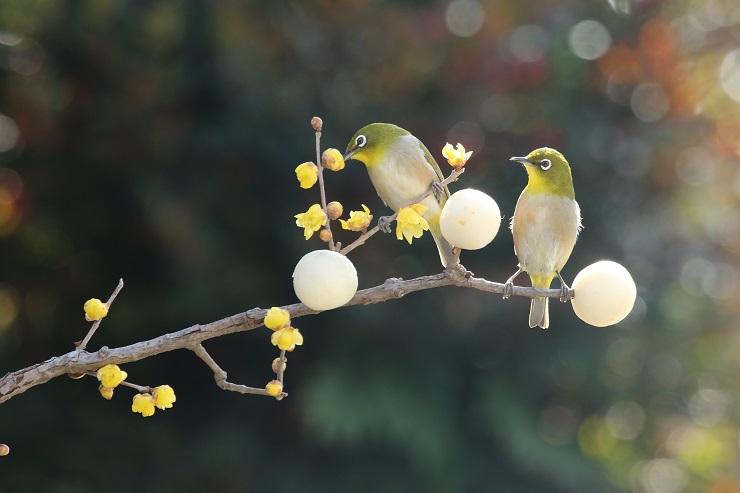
96,324
321,187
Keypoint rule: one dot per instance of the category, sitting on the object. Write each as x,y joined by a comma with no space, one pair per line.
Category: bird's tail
539,312
444,246
539,315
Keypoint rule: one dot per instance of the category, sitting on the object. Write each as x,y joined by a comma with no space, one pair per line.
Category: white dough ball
605,293
323,280
470,219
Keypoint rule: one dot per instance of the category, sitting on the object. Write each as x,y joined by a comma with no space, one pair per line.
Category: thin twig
220,375
143,389
75,362
456,172
281,367
322,190
96,324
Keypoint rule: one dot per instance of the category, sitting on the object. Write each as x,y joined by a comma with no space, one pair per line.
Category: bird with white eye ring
401,169
545,227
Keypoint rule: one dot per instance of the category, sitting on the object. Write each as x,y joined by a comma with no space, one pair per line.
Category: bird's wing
433,164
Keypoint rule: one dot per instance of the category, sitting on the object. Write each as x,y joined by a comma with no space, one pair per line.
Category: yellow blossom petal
312,220
277,318
332,159
274,388
144,404
164,396
95,309
287,339
307,174
410,222
111,376
456,157
358,220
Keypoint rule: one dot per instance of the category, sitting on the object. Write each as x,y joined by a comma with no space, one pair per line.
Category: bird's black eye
360,141
545,164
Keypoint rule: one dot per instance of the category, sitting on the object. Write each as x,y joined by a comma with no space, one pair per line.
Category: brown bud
4,450
325,235
75,376
105,392
316,123
276,365
334,210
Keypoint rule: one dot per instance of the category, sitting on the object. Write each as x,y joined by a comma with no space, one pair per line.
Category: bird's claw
384,223
509,284
438,190
565,294
508,289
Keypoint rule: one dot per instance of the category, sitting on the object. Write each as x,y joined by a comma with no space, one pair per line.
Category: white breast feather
544,239
405,176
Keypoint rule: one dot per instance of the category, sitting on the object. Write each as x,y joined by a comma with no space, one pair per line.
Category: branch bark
79,361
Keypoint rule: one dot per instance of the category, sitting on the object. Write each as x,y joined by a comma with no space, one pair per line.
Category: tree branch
80,361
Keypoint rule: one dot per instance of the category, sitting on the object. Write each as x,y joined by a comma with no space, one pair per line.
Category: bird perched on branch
545,226
401,169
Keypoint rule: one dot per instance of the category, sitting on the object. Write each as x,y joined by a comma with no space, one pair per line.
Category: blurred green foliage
156,141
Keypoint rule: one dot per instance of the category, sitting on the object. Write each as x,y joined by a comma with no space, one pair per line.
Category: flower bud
334,210
95,309
276,318
276,366
274,388
4,450
325,235
332,159
317,123
106,392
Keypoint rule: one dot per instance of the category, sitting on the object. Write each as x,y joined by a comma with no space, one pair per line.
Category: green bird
545,226
401,168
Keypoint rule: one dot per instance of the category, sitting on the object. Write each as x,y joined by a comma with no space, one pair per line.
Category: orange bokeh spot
619,64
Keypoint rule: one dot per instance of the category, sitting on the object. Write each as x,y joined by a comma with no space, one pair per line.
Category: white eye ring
545,164
360,141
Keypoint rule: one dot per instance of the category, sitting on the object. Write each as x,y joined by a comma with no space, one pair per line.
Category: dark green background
157,143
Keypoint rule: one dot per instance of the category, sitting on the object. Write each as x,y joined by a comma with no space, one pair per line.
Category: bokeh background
156,141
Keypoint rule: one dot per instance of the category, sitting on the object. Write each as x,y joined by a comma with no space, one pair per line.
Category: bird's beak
522,160
349,154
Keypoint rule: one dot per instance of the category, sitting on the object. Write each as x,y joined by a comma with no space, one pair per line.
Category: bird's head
548,172
371,143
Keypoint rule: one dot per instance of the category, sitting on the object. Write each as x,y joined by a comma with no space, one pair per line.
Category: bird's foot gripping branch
603,293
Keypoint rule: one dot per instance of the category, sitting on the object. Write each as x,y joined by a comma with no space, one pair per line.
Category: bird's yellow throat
552,184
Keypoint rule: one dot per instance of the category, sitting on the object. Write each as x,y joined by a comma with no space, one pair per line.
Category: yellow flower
144,404
105,392
332,159
311,220
307,174
410,223
277,318
456,157
111,376
95,309
274,388
287,339
164,396
358,220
